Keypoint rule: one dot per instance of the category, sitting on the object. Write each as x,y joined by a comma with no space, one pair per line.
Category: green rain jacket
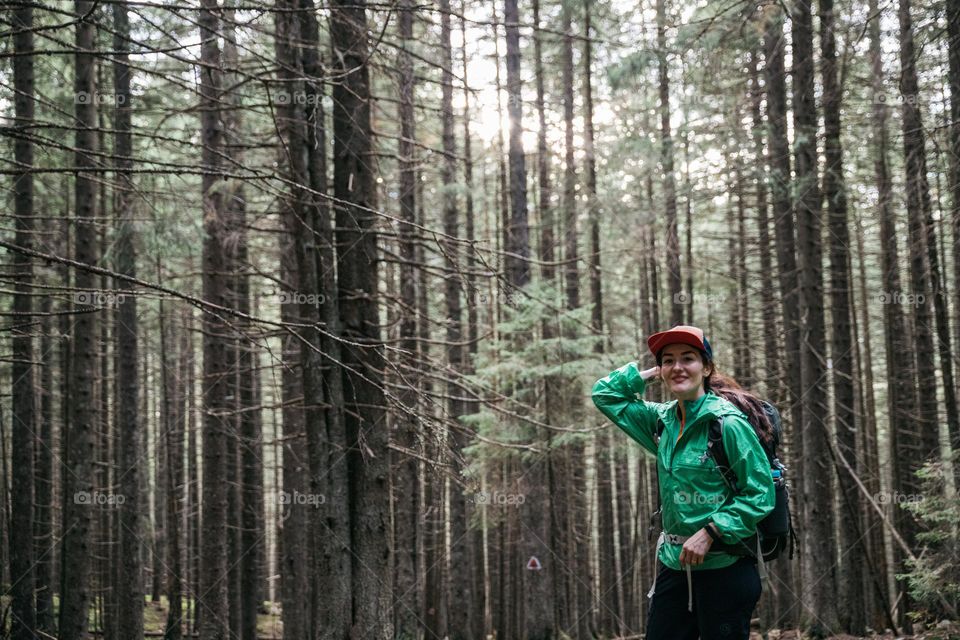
692,491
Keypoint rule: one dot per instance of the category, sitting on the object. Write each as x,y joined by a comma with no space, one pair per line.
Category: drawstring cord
761,565
656,556
673,539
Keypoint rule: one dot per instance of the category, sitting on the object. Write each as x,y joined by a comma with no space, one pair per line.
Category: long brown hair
728,388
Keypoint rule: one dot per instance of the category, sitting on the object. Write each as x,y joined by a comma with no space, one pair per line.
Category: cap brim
658,341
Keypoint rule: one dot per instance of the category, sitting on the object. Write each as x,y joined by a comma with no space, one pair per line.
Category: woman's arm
616,397
739,518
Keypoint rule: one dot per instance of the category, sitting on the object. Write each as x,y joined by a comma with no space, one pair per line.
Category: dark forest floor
269,626
944,630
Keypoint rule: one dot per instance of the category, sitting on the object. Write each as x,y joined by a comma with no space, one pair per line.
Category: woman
697,593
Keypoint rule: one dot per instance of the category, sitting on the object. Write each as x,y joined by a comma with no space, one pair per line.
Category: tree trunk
251,455
213,602
918,442
77,520
332,583
172,442
545,211
557,478
193,479
251,446
517,246
44,493
900,398
296,570
535,602
817,588
653,265
233,207
743,308
296,567
65,356
953,42
354,188
246,492
737,311
477,603
779,159
629,594
158,483
406,479
23,607
609,616
940,312
458,578
875,578
771,353
105,461
570,236
688,232
437,595
842,345
472,305
677,295
501,240
129,422
926,445
593,210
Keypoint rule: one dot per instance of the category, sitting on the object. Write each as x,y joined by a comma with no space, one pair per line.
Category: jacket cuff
714,532
636,382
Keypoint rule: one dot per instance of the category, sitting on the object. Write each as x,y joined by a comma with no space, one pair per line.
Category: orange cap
683,334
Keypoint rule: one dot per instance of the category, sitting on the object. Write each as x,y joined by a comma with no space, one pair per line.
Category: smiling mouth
678,379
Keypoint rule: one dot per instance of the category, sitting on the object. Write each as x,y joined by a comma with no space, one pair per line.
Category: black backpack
775,532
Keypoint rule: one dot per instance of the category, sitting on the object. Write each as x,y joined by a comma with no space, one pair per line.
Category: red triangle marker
533,564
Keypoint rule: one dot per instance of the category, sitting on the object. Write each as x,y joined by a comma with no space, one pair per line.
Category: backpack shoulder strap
716,450
655,523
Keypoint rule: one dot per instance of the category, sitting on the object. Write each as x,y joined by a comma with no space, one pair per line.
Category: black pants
723,602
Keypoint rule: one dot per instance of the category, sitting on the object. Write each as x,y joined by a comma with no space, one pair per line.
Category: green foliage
695,32
934,578
631,68
515,370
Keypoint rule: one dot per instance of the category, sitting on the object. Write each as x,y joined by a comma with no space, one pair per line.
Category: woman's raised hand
653,372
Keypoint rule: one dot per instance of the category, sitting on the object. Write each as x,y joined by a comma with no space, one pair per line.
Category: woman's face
683,371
